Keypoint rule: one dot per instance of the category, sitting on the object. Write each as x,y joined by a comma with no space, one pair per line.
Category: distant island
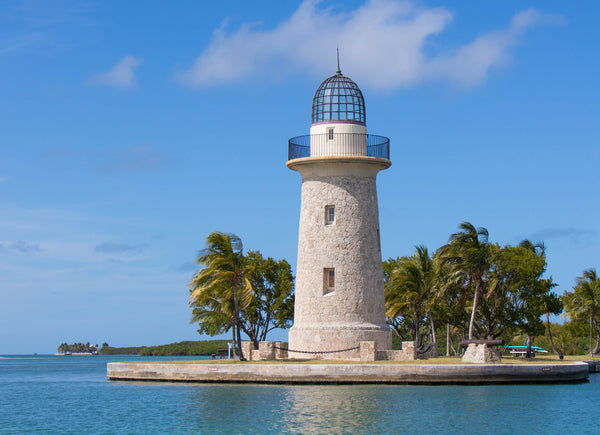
182,348
77,349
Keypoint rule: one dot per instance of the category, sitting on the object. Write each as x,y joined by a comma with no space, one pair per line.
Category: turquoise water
70,394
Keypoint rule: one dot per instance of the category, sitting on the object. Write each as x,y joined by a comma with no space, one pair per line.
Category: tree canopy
242,293
478,287
222,286
583,303
272,303
410,288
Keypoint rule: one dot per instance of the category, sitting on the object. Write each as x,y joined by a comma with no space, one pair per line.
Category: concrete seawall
594,365
351,373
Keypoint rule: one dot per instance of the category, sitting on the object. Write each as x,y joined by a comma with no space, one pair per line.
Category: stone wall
369,352
267,351
481,354
407,351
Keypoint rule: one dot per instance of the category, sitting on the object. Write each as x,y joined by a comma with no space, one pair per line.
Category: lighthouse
339,298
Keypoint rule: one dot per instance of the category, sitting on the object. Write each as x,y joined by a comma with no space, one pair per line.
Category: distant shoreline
74,353
182,348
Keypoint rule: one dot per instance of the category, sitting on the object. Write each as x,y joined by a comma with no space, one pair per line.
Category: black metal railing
339,144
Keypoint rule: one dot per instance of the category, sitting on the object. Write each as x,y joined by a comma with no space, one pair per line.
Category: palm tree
449,298
584,301
552,305
550,302
468,255
410,288
223,278
438,291
213,309
536,248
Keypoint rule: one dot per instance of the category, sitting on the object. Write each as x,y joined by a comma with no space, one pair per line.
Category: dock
349,373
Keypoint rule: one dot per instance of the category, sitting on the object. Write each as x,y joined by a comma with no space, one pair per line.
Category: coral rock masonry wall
355,310
481,354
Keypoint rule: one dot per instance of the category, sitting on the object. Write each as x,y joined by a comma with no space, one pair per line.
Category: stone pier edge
349,373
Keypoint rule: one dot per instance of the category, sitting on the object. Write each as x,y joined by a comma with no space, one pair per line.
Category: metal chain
317,351
337,351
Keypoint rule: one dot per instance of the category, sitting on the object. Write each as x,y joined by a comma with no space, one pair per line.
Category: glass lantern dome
339,99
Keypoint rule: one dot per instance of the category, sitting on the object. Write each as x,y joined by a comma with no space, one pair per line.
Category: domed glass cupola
339,124
339,99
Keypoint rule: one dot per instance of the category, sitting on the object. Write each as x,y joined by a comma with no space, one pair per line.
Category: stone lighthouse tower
339,283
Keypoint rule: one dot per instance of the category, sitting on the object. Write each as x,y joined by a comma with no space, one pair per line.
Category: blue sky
130,130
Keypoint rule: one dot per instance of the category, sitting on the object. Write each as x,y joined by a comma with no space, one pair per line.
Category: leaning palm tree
584,301
223,278
213,308
468,256
409,289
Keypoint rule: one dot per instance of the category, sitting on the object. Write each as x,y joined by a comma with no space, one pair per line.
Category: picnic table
522,350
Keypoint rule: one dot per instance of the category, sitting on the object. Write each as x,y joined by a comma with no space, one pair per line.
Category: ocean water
71,394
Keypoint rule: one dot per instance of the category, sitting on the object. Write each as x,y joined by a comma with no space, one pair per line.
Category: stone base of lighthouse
340,342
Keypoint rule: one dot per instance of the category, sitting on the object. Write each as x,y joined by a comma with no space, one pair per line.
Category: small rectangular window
328,280
330,133
329,215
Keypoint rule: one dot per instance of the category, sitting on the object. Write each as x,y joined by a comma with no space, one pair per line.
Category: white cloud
382,44
119,76
470,64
